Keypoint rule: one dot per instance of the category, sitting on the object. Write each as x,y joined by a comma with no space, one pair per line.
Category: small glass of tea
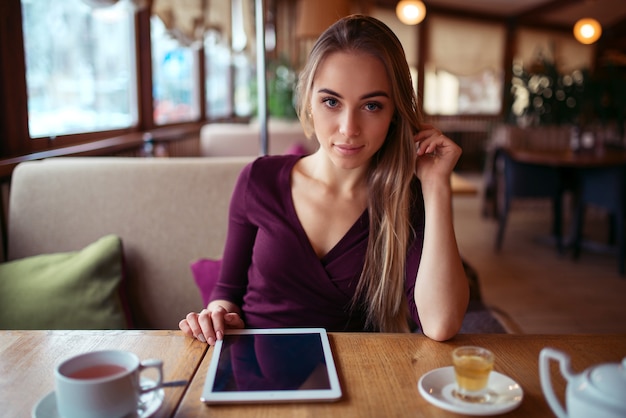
472,367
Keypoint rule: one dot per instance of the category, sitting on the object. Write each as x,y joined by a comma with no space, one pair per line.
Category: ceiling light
587,31
410,12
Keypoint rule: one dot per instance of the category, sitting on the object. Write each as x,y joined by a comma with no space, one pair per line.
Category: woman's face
351,107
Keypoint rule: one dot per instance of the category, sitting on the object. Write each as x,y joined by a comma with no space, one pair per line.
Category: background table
461,185
596,177
28,358
379,374
568,158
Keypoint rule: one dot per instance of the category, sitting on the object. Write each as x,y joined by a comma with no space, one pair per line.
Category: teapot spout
545,356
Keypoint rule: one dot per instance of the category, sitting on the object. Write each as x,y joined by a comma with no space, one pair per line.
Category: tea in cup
102,384
472,367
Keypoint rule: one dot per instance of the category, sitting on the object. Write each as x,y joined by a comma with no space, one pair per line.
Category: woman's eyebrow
378,93
329,91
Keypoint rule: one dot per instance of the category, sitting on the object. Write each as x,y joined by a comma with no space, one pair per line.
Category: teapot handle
546,381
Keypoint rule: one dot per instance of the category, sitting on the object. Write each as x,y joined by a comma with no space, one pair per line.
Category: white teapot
599,391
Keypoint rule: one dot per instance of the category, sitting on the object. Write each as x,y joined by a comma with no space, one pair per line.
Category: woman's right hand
209,324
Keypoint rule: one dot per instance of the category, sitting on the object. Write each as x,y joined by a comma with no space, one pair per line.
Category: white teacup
102,384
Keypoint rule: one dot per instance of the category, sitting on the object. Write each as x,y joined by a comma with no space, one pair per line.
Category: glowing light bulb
587,31
410,12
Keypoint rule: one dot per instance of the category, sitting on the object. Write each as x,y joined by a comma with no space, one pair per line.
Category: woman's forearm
441,288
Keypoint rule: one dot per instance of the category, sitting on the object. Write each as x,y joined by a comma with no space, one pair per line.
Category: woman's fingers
209,325
214,325
233,320
185,328
428,140
191,326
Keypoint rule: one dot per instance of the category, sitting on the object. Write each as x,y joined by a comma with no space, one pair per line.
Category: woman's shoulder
268,172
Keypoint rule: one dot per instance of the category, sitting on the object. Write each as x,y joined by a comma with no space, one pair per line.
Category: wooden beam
547,7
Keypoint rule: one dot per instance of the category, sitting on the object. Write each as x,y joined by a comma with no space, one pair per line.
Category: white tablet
272,365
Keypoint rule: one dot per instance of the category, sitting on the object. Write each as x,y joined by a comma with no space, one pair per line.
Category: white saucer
437,385
150,403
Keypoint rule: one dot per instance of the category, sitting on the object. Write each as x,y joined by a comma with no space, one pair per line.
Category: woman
357,236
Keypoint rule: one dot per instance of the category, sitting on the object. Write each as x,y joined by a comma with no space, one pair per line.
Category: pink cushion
297,149
205,273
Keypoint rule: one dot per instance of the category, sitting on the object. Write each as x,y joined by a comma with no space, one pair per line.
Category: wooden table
378,372
570,159
462,186
27,360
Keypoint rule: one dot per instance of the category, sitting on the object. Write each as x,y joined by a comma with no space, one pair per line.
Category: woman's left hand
436,154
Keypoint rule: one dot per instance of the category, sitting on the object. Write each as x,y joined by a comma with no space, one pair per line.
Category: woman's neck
320,168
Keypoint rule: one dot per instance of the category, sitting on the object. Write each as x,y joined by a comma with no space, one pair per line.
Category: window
448,94
463,70
230,73
245,77
218,75
174,77
80,67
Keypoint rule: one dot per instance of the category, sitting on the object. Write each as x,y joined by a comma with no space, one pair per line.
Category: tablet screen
272,365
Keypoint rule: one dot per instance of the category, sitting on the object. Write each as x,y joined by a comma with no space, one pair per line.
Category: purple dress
270,269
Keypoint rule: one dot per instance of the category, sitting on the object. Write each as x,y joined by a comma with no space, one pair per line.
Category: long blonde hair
381,286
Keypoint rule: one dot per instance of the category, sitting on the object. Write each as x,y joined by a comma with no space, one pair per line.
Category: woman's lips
346,149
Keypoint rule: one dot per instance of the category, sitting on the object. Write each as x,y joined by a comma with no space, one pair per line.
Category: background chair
603,187
522,180
481,318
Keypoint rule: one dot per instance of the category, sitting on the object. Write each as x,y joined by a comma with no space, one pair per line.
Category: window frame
15,139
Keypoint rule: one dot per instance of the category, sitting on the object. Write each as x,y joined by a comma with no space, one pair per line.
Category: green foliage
281,84
543,96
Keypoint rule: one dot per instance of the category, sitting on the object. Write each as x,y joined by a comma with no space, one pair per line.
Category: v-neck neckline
286,180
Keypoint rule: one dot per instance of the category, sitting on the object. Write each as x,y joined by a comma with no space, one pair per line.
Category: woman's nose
349,125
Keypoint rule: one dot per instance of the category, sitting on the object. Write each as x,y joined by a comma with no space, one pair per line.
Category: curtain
560,48
188,20
244,26
464,47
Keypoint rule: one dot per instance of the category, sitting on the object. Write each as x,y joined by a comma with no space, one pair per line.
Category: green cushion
73,290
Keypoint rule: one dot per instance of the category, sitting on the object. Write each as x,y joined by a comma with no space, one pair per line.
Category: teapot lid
610,379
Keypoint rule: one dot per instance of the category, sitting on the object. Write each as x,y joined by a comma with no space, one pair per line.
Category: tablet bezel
270,396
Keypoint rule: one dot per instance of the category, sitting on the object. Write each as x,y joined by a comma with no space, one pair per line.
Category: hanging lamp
411,12
587,31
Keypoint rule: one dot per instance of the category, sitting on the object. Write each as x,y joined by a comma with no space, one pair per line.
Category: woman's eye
330,102
373,106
